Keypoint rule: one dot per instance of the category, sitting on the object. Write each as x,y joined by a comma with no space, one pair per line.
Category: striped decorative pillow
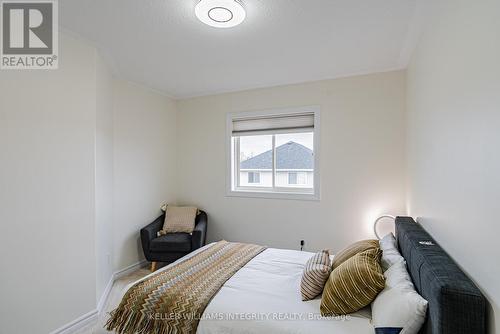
315,275
352,250
354,284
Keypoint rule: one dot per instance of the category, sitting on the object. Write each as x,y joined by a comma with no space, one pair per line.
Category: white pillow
398,308
390,253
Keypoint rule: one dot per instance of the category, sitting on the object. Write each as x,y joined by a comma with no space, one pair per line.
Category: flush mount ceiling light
220,13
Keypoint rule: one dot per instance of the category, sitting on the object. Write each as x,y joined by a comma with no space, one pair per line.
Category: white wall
362,162
454,137
47,192
104,177
69,140
144,140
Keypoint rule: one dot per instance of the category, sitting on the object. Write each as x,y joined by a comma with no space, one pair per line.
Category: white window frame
232,173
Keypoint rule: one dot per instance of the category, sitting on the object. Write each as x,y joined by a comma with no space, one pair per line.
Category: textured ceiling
161,44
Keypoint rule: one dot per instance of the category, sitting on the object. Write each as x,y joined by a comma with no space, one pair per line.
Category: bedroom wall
104,177
47,192
362,162
75,143
145,146
454,137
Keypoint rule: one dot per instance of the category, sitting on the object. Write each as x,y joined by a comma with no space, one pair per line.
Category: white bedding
264,297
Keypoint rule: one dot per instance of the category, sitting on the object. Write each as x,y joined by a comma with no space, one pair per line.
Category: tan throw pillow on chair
352,250
315,274
354,284
179,219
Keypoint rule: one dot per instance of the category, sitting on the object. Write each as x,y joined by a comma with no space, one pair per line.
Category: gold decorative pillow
354,284
315,274
179,219
352,250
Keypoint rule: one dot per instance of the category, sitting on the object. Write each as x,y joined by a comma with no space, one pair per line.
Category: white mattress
264,297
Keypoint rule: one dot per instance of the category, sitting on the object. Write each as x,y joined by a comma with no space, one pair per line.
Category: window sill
274,195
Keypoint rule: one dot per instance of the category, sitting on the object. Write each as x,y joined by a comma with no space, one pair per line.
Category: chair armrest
199,236
149,232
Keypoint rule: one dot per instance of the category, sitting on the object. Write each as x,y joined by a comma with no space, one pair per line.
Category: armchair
172,246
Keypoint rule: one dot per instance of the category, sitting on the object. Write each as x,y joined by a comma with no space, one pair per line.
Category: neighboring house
294,167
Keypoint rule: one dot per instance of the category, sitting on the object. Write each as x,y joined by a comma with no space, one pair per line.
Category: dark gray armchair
172,246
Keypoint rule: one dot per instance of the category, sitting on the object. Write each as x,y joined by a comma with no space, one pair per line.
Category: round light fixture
220,13
378,220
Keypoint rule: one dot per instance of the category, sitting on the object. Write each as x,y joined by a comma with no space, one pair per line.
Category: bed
268,286
263,296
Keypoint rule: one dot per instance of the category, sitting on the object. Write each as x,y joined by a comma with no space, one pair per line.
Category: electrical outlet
302,242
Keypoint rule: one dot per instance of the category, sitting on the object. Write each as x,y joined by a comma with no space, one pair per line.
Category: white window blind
303,122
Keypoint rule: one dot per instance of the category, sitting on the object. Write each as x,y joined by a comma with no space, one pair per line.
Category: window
253,177
297,178
274,154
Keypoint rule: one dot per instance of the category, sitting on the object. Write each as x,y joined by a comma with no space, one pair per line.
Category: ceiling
161,44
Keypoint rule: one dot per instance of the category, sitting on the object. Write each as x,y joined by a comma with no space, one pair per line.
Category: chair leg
153,266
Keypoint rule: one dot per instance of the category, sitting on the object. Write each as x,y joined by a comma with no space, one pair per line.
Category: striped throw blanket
173,300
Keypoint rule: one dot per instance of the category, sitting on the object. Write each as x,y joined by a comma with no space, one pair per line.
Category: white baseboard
105,294
92,317
77,324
